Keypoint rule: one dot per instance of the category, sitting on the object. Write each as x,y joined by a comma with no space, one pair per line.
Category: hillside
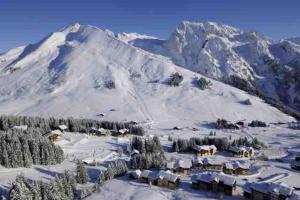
69,73
247,60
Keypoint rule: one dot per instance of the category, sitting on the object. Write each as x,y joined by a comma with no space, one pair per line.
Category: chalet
213,181
99,131
212,164
180,166
21,127
136,174
236,167
149,177
242,151
197,163
207,163
62,127
267,190
54,135
205,150
120,133
167,179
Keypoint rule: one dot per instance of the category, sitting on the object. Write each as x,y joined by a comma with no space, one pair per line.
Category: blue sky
27,21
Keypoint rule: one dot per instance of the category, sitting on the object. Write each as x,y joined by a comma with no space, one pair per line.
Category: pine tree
81,173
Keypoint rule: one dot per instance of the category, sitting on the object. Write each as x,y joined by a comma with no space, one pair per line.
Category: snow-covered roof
239,149
209,177
197,160
186,164
212,161
226,179
168,176
205,147
62,127
206,177
54,132
266,187
149,174
136,173
237,164
21,127
123,130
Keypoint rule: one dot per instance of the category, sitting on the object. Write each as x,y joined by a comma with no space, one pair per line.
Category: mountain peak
209,27
74,27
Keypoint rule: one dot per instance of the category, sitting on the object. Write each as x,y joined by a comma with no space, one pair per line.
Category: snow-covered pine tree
82,176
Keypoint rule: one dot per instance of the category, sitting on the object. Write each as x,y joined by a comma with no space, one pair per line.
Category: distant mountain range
82,71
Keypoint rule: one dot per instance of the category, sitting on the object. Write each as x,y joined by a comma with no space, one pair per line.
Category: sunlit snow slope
65,75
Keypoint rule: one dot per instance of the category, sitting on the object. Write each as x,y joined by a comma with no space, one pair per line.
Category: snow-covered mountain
233,56
67,73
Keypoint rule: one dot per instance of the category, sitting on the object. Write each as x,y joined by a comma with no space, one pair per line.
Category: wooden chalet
205,150
216,182
99,131
120,133
242,151
267,190
180,166
62,128
167,179
136,174
54,135
237,167
149,177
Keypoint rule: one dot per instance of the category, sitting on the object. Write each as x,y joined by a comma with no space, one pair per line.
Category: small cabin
136,174
207,163
242,151
149,177
267,190
99,131
62,128
216,182
212,164
180,166
237,167
120,133
55,135
197,163
167,179
205,150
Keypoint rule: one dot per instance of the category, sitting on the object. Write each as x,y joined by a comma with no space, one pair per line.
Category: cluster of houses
267,190
161,178
56,135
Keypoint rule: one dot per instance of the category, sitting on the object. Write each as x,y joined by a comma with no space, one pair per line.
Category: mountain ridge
67,73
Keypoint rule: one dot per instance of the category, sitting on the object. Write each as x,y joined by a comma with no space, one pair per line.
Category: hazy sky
28,21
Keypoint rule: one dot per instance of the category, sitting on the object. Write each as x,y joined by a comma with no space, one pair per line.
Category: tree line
222,143
151,153
63,187
73,125
24,148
